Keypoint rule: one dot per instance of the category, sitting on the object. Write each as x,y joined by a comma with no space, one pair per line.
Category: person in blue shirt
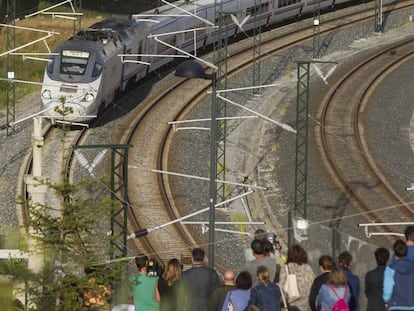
402,297
400,251
344,262
239,297
266,295
335,288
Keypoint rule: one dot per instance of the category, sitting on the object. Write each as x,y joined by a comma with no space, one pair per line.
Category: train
85,73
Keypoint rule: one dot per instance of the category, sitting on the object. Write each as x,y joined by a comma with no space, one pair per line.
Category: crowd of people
261,282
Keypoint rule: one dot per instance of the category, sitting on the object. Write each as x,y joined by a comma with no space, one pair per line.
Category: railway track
183,99
149,193
342,137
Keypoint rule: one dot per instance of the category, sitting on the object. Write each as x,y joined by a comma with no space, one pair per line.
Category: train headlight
47,94
89,97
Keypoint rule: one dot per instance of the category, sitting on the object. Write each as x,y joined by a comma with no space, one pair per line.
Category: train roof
114,23
106,29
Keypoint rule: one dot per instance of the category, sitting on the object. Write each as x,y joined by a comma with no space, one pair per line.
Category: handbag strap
287,269
282,295
336,294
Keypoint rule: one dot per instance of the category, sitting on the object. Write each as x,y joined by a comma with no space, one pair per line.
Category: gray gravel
268,161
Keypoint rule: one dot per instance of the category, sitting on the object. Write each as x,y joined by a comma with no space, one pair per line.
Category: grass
32,70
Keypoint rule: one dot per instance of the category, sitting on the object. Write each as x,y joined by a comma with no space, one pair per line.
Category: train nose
63,110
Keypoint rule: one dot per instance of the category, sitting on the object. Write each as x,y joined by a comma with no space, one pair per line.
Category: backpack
340,304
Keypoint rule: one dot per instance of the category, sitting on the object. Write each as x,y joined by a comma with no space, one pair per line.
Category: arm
157,293
312,296
367,285
357,289
253,298
226,301
213,301
388,284
319,298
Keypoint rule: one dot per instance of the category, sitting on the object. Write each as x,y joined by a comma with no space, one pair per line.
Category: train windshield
74,62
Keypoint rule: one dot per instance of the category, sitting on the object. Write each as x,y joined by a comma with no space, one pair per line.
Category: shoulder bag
282,297
291,286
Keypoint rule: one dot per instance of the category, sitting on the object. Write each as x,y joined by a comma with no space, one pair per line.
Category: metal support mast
11,66
302,125
119,187
119,196
220,54
378,16
316,29
78,22
257,38
301,166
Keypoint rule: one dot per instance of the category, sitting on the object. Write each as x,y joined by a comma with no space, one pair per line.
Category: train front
70,90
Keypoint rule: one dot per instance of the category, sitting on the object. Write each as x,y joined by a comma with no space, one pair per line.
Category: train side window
226,20
97,69
189,35
170,40
259,9
283,3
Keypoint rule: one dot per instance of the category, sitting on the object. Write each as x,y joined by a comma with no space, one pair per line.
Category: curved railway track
237,63
151,136
342,137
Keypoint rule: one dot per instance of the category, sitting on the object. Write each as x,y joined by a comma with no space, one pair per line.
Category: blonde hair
263,275
172,272
336,278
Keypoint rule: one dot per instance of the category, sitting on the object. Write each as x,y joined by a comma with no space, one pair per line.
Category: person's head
345,259
244,280
228,277
278,246
400,248
336,278
381,256
172,271
263,275
259,234
258,247
198,255
326,263
141,262
297,254
268,247
409,235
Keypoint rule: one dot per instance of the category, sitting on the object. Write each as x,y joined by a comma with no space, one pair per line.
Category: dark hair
268,246
326,262
258,247
400,248
141,261
409,233
259,234
198,254
297,254
244,280
345,259
381,256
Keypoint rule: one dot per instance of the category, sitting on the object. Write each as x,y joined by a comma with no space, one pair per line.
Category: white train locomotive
85,72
